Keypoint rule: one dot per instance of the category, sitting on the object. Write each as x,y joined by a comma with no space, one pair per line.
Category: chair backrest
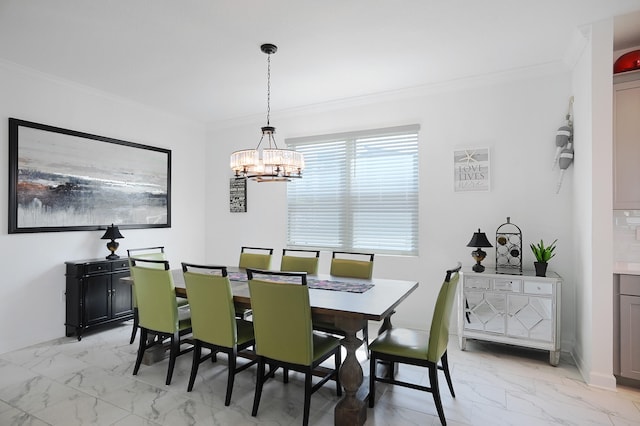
301,261
439,333
281,317
255,257
352,265
211,302
153,253
155,294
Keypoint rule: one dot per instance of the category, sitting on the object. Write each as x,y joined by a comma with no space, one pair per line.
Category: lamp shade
112,233
479,239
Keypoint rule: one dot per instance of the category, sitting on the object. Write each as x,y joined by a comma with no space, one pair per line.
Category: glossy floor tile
65,382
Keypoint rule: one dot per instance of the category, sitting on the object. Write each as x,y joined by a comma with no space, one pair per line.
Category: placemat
348,286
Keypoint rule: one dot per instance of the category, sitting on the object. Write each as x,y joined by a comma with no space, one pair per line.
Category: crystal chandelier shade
269,164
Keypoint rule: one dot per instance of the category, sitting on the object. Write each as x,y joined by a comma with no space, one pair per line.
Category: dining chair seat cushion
181,301
323,343
351,268
402,342
245,331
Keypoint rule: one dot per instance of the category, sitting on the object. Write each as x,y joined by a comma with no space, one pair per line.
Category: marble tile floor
65,382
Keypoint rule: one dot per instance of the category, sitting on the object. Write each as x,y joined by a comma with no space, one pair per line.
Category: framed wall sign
471,169
65,180
238,195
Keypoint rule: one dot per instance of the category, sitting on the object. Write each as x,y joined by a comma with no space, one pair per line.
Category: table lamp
112,233
478,241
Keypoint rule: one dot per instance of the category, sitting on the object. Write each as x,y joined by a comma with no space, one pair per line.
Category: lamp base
478,267
112,246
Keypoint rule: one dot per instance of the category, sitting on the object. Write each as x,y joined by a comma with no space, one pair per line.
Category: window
359,192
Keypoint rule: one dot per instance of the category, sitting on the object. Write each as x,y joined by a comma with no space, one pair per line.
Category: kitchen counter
626,268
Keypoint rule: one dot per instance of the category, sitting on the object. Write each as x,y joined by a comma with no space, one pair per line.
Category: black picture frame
65,180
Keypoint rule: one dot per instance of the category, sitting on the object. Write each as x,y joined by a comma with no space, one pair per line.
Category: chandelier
271,164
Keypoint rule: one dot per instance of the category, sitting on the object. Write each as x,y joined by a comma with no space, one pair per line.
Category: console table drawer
97,268
477,282
514,286
535,287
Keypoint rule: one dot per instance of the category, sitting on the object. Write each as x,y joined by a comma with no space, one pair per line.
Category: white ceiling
201,58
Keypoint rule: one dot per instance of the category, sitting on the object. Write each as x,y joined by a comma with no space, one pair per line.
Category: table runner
348,286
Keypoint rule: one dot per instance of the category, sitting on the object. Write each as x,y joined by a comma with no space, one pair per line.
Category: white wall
593,207
32,265
516,118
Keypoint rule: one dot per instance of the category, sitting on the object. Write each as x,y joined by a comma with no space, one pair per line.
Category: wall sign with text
471,169
237,195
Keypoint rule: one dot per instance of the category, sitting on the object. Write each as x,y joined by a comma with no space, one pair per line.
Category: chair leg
447,375
141,349
307,397
435,391
365,339
230,377
135,326
197,352
173,354
372,380
260,378
338,360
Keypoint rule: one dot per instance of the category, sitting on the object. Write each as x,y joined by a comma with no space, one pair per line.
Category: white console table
517,309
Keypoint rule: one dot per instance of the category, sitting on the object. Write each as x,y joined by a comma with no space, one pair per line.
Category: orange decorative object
628,62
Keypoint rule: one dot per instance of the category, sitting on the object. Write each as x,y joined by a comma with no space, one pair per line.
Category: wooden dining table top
374,304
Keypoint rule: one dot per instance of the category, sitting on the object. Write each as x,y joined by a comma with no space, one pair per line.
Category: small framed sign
238,195
471,169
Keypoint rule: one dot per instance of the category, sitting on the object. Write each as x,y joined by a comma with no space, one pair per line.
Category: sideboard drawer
97,268
477,282
121,265
514,286
536,287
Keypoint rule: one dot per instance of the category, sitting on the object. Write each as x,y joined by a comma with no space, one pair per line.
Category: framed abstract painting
65,180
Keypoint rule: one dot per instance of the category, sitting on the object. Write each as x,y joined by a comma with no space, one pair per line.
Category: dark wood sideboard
94,294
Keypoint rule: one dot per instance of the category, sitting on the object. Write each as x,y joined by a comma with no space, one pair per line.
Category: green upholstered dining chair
404,346
213,321
352,265
255,257
154,253
158,310
349,265
298,260
284,335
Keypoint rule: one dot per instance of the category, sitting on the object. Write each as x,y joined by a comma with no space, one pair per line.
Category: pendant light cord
268,87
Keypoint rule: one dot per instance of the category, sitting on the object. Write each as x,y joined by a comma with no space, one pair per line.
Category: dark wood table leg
350,410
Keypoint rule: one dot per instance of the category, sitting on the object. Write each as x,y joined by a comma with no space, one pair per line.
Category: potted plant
543,254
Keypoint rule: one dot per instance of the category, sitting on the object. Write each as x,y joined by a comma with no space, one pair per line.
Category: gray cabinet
522,310
95,295
626,136
627,347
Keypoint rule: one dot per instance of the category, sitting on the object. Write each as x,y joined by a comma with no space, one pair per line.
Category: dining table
348,303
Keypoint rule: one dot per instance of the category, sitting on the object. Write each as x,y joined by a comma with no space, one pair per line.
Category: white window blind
359,192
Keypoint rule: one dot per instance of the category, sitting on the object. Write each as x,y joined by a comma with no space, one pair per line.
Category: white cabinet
627,321
522,310
626,136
